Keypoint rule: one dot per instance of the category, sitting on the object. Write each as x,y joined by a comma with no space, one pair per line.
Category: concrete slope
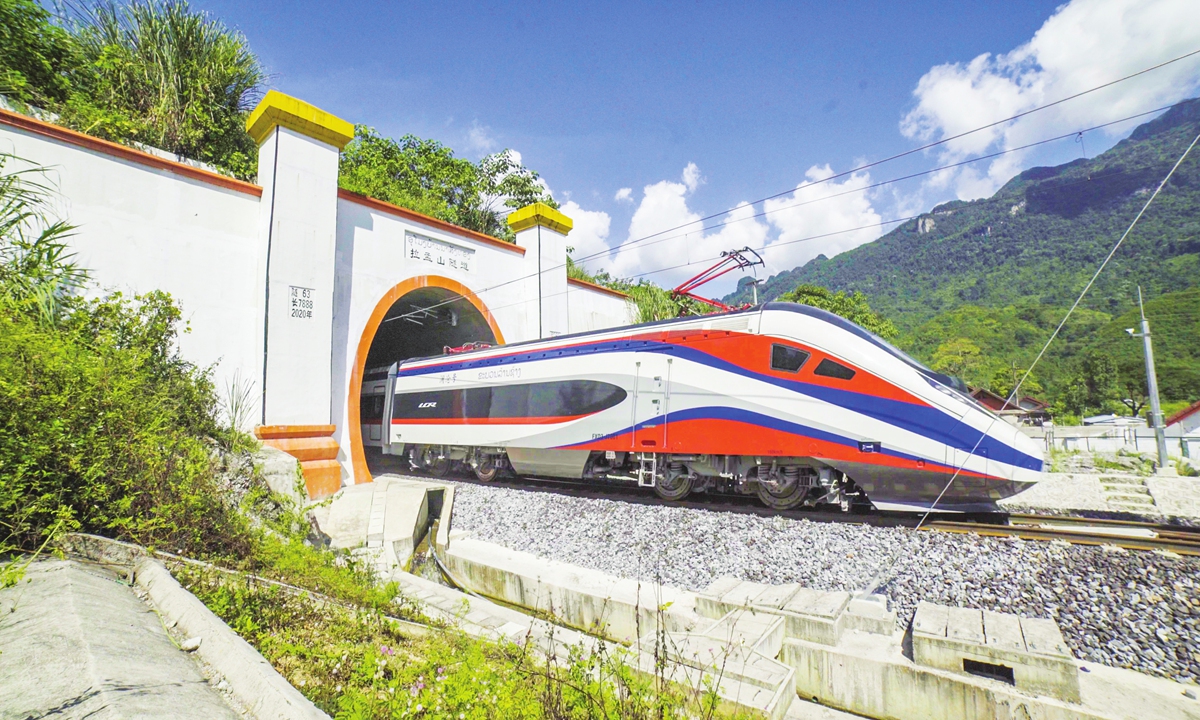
75,641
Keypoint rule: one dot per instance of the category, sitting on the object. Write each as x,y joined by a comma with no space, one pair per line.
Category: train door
371,416
970,462
652,402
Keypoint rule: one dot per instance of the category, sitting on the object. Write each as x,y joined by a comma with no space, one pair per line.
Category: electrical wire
851,171
764,213
879,577
766,248
927,146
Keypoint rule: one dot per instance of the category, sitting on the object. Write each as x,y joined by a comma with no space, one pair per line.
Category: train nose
1031,453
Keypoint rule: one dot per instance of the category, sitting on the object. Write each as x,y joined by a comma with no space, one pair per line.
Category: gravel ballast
1136,610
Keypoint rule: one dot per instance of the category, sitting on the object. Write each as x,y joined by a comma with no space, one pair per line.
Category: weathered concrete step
1128,487
1129,499
816,615
1126,490
482,617
735,697
382,520
1029,652
759,631
719,659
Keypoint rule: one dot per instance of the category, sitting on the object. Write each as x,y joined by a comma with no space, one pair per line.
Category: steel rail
1178,540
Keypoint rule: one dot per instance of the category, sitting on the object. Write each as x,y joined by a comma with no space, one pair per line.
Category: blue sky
695,108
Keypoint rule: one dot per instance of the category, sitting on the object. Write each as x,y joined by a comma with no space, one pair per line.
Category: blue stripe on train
753,418
927,421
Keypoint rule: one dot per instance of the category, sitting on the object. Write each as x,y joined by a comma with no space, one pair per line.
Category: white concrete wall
591,309
1089,438
142,228
1190,425
545,260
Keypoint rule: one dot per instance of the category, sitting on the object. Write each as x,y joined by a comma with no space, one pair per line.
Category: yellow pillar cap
539,214
289,112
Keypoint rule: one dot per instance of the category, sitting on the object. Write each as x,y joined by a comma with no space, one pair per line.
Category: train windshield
940,380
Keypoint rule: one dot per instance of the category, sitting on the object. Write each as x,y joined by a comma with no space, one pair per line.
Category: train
787,402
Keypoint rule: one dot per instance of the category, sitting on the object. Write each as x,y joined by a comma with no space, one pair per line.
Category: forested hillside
986,281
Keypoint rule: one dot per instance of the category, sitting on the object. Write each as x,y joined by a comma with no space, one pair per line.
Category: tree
150,71
424,175
853,307
35,54
1005,379
1098,376
959,357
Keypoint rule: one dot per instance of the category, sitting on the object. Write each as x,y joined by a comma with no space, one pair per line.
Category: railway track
1130,535
1125,534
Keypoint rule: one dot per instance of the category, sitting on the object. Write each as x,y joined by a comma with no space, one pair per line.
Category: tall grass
164,74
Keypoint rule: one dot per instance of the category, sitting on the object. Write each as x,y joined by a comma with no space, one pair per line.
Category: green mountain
1001,272
1040,236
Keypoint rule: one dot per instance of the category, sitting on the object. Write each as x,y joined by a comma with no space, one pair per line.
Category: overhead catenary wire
768,247
880,576
851,171
927,146
881,183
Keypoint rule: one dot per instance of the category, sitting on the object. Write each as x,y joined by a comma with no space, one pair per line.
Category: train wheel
436,466
487,470
674,485
781,494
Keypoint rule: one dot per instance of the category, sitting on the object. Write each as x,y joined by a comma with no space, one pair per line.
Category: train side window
829,368
787,359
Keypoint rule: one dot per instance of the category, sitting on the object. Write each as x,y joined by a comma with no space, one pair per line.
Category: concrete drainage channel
774,651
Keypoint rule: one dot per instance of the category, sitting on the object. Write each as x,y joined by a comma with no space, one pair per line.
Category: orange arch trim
358,458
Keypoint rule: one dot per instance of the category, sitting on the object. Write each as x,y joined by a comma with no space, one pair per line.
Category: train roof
585,333
813,312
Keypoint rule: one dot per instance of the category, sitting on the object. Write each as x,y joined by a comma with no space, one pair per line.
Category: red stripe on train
731,437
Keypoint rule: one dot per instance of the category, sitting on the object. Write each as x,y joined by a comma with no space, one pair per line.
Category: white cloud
1084,44
662,243
797,217
691,177
590,234
665,233
624,195
480,140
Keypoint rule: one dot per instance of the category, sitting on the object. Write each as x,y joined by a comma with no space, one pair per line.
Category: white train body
784,400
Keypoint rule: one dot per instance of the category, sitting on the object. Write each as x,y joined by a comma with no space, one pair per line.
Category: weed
354,662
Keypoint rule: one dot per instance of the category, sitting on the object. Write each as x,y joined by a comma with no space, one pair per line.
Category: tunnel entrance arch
416,318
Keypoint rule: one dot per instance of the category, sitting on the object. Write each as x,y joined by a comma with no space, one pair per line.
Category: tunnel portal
421,323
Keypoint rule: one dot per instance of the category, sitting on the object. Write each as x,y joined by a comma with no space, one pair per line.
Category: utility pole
1156,416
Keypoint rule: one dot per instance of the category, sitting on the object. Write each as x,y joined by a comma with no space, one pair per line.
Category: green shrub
104,427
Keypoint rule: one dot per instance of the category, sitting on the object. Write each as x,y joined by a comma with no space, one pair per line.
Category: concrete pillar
298,171
542,231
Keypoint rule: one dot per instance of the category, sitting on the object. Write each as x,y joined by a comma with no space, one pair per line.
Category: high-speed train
789,402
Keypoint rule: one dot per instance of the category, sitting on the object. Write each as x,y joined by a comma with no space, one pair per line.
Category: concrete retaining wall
143,225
